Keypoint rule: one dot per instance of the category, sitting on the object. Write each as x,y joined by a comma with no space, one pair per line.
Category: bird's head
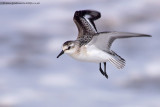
68,47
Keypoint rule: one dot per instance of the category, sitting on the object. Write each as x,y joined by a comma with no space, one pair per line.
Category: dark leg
104,73
100,69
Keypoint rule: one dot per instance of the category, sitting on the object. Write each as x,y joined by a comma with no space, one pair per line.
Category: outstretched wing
104,40
84,19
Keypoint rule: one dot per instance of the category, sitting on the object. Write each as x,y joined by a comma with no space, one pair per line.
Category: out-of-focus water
31,37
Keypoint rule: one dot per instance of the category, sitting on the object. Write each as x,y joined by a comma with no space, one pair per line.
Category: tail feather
116,60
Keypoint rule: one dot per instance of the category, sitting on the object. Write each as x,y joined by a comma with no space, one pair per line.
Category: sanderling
94,46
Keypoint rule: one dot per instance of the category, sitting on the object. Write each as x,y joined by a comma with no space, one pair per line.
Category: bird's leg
100,69
105,73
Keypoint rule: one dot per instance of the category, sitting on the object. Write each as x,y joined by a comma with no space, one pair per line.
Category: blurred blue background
31,37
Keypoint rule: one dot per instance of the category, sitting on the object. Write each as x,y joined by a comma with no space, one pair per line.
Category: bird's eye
69,48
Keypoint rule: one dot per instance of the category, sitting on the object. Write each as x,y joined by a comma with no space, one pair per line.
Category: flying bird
94,46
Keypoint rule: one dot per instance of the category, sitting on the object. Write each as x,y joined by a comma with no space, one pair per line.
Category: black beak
62,52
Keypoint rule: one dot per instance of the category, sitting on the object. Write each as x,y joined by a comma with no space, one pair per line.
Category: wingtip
96,14
147,35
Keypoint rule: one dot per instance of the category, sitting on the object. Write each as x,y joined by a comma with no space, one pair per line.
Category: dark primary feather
86,24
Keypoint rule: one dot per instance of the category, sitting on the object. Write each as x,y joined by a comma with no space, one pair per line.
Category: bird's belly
93,56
